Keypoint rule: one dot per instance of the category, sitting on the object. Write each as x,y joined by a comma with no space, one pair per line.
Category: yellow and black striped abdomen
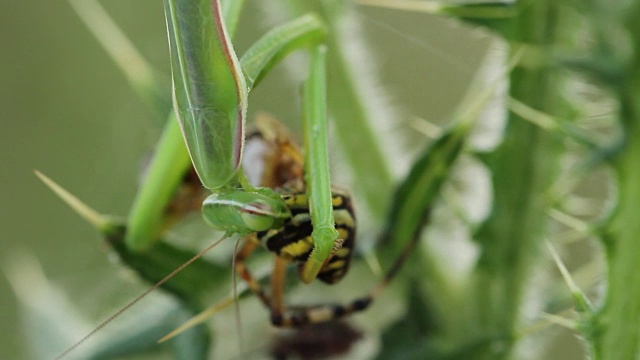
293,240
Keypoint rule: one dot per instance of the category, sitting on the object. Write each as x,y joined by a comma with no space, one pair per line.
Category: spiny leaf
101,222
582,303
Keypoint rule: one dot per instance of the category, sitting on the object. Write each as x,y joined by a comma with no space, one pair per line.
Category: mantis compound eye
241,212
258,216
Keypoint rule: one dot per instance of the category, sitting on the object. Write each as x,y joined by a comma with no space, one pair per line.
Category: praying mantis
210,99
210,96
211,87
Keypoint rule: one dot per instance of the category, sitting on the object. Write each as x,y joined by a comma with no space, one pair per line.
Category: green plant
483,312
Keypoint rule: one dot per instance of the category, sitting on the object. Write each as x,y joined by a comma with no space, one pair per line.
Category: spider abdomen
293,240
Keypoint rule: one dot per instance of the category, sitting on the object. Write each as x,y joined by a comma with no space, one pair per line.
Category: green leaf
416,194
193,284
140,332
409,338
495,16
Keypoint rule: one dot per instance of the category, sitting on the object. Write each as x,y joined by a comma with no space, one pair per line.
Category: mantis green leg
317,165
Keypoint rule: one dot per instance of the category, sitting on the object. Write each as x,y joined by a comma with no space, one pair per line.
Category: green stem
523,167
165,173
617,331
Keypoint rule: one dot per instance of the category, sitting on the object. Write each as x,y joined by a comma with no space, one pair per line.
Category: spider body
293,240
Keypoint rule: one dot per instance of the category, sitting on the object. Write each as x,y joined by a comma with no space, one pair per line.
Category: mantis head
239,211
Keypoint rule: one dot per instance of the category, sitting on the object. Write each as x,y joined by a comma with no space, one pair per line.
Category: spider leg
277,288
248,247
303,315
276,302
299,316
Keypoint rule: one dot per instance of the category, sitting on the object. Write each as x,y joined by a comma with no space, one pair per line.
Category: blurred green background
67,111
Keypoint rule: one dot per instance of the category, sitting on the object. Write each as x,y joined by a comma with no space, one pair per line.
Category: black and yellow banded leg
300,316
275,303
303,315
277,287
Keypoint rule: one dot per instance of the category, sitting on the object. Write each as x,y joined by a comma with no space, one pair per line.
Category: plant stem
523,167
616,331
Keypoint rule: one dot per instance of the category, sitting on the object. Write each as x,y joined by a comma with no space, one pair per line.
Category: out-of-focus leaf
409,338
416,194
47,315
194,284
139,333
